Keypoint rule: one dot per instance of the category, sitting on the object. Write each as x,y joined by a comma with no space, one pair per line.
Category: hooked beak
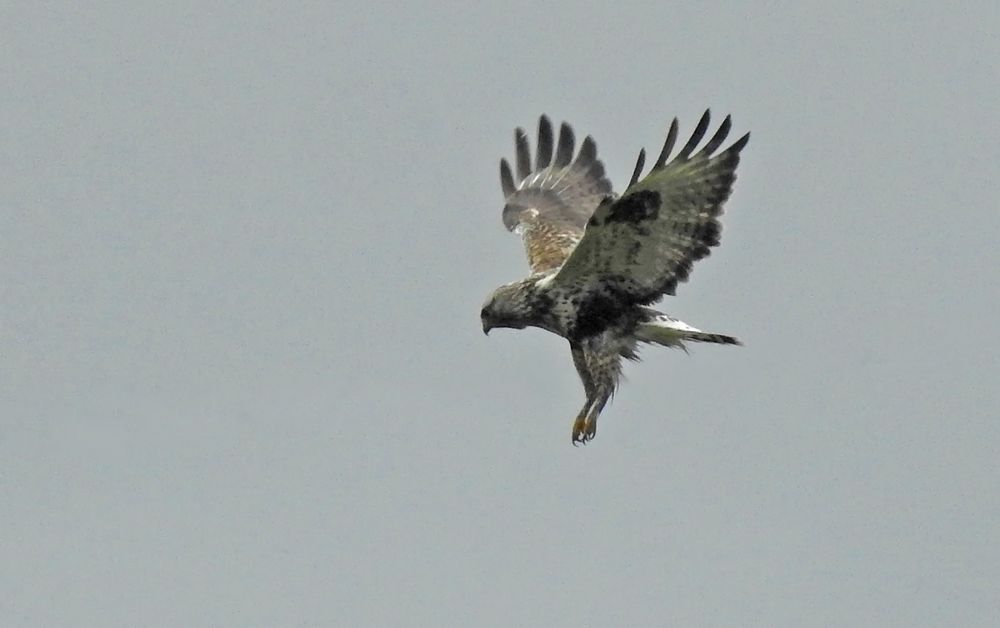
486,328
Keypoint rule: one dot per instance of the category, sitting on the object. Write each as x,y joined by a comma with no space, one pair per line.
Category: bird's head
508,306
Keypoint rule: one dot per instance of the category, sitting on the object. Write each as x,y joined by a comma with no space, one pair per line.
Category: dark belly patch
597,312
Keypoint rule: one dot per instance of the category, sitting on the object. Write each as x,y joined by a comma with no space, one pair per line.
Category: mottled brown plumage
550,205
597,261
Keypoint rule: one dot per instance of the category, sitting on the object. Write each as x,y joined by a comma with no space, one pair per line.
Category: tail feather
720,339
670,332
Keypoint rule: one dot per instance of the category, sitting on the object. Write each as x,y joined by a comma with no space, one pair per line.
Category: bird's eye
483,313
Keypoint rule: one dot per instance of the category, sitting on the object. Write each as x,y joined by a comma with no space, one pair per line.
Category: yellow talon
578,429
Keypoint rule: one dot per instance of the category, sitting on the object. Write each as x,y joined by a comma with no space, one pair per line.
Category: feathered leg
599,368
580,362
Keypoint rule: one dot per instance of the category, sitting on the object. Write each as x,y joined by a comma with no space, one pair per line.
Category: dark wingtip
740,143
566,145
523,153
544,155
506,179
638,167
718,138
699,132
668,145
588,152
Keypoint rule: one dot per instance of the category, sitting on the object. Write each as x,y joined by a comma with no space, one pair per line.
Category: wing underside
638,247
550,201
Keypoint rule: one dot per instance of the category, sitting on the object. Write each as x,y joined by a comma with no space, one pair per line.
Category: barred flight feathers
549,205
640,246
597,260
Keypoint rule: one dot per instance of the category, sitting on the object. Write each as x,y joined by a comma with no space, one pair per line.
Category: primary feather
598,260
550,204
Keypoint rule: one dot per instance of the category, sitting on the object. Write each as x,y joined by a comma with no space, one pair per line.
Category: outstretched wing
637,248
549,205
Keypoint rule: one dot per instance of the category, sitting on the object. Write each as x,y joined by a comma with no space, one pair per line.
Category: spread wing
638,247
549,205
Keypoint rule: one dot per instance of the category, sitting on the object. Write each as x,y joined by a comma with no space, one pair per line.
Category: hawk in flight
599,260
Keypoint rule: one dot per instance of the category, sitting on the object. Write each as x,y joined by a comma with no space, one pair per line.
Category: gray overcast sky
242,375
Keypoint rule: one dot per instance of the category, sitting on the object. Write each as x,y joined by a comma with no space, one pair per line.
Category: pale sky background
243,382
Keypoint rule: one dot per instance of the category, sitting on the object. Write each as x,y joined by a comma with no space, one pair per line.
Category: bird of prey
598,260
